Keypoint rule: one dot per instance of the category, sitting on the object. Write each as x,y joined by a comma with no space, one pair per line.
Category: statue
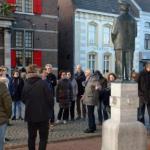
123,38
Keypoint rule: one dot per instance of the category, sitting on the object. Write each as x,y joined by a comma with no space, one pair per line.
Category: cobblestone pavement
17,133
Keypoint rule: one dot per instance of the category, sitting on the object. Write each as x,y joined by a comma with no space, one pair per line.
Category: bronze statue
123,37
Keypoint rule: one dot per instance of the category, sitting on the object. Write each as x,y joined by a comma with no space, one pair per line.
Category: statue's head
124,5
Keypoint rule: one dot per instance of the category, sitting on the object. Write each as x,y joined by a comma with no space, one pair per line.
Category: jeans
100,112
78,104
42,127
17,105
141,112
91,117
2,135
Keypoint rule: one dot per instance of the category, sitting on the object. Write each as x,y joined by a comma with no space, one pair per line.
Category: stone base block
123,136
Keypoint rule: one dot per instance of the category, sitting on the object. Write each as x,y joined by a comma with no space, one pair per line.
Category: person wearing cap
123,37
144,92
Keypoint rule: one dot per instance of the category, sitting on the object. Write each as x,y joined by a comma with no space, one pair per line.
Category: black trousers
91,117
124,63
63,112
42,128
52,115
141,112
78,104
72,110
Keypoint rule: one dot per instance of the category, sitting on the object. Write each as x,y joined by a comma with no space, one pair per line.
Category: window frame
92,62
108,26
147,42
25,50
93,24
23,7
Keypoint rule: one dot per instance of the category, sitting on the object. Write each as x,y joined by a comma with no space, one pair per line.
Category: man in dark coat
37,99
123,37
144,92
80,78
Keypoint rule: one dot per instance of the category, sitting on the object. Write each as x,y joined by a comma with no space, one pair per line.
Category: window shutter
11,1
37,6
13,58
37,58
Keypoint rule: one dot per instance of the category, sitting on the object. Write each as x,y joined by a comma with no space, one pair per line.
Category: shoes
51,127
89,130
78,118
64,122
100,123
20,118
13,118
84,118
7,140
58,121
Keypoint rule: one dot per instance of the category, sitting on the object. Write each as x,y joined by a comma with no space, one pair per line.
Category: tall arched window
107,34
92,34
92,61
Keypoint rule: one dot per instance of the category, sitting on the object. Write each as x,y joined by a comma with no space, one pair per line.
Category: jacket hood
32,80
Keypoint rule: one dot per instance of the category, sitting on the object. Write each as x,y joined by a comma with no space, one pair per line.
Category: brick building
30,34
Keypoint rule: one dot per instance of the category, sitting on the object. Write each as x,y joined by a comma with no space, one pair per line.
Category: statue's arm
114,31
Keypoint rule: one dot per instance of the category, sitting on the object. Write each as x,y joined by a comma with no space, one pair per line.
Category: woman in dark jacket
144,93
16,86
107,93
103,83
64,96
37,100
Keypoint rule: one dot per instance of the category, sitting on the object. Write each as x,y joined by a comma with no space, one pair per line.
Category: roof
144,4
107,6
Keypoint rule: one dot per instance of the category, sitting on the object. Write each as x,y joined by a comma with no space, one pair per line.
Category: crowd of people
38,89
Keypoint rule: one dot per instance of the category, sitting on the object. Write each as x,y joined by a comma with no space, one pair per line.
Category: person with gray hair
123,37
53,80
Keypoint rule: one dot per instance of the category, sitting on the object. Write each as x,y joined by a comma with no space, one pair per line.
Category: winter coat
37,100
74,88
16,86
80,77
91,94
144,86
64,93
5,104
52,78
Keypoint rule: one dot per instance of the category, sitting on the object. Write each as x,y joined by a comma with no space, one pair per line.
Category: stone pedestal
123,131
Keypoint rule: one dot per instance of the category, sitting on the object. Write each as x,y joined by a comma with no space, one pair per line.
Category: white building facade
93,46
